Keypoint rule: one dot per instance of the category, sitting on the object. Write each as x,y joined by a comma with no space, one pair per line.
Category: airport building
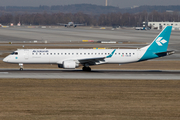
162,25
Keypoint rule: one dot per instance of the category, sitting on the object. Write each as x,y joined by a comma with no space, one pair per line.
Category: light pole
106,3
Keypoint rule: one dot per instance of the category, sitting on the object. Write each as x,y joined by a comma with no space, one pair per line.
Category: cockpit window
14,53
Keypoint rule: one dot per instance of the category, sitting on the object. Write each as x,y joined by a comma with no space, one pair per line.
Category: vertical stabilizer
160,44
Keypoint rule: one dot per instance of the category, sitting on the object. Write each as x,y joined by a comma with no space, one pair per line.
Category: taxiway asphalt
94,74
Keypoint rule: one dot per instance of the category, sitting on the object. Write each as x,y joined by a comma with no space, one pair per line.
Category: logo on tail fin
160,41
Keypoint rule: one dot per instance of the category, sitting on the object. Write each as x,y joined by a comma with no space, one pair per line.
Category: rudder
160,43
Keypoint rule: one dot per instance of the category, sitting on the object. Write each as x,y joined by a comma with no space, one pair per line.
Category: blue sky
117,3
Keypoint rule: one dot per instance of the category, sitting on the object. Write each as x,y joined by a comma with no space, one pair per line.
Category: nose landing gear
21,66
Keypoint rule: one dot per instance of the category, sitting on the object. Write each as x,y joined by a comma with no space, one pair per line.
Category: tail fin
158,47
160,43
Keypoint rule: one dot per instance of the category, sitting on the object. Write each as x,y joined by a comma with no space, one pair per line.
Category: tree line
87,9
110,19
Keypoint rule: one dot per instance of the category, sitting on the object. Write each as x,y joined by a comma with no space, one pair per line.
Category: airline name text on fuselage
40,51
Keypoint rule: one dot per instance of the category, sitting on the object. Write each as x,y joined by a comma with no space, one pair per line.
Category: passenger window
65,53
54,53
119,53
101,53
84,53
43,53
76,53
61,53
16,53
72,53
58,53
115,53
69,53
51,53
105,53
36,53
47,53
80,53
88,53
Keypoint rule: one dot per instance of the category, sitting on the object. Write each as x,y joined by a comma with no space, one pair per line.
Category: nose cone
5,59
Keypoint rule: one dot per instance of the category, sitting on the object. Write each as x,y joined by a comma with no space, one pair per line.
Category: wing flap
91,60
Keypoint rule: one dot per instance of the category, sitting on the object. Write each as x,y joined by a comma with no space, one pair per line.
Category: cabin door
26,54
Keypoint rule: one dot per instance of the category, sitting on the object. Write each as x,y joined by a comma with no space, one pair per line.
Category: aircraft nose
5,59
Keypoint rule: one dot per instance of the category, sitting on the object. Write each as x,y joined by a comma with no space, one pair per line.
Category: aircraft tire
86,69
21,69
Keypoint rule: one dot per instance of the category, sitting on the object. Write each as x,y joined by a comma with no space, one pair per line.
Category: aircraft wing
95,60
91,60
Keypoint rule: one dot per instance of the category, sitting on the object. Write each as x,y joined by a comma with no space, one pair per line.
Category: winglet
109,56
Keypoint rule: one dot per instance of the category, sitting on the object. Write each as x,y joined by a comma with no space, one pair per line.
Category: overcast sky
119,3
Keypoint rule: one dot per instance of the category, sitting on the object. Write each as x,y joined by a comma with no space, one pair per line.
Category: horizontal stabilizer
160,54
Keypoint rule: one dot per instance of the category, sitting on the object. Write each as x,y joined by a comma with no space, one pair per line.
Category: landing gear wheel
21,69
21,66
86,69
83,68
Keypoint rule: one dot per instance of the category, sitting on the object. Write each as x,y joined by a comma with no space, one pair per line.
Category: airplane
71,24
71,58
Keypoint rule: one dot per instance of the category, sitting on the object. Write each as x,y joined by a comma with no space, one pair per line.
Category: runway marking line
4,72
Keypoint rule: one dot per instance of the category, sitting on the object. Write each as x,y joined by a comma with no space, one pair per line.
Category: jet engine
68,65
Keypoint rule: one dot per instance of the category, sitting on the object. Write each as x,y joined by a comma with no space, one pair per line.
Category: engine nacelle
68,65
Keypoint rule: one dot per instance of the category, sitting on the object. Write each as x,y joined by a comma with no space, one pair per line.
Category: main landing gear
21,66
86,69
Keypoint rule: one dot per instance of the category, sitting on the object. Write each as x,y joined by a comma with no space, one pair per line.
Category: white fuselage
71,58
57,56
